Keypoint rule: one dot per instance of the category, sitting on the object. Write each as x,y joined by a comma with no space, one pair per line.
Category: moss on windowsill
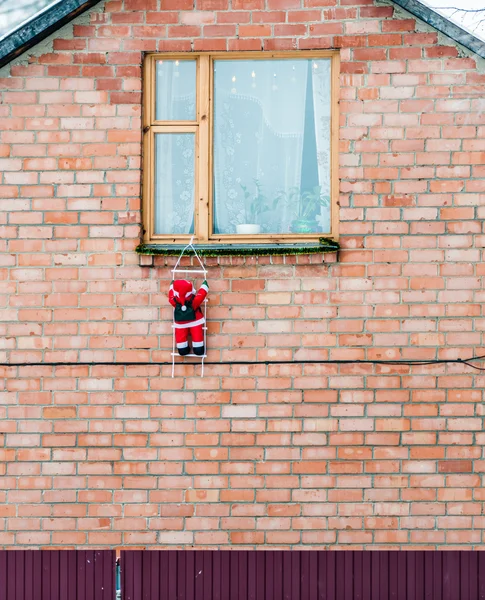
325,245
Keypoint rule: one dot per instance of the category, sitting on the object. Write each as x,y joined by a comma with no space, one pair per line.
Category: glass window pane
174,183
175,93
272,146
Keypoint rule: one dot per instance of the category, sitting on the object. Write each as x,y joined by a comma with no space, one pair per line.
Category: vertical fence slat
481,575
464,576
97,583
252,577
216,576
330,573
11,579
339,575
37,573
19,575
225,575
109,574
321,570
29,575
453,565
81,579
181,575
348,578
260,577
90,575
438,576
287,575
314,577
146,564
207,574
420,575
172,573
126,561
305,575
411,575
384,574
428,575
3,573
473,575
393,575
163,574
357,574
278,573
375,580
199,576
243,576
189,575
366,576
64,574
55,576
268,576
45,558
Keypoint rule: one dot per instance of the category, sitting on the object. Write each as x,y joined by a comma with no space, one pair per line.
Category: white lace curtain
259,135
175,152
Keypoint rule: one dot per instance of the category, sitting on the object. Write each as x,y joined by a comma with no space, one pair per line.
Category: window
240,147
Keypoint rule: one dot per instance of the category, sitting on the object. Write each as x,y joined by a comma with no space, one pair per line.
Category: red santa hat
182,290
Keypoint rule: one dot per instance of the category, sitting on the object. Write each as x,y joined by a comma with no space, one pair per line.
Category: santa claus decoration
188,317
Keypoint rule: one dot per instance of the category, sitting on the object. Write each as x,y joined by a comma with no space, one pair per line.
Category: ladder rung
185,355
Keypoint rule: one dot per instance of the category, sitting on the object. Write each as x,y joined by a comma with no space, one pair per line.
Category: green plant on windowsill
307,206
255,204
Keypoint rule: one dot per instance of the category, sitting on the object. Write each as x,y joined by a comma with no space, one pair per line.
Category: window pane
175,94
174,183
272,146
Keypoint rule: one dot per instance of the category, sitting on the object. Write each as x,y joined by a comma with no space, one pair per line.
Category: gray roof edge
444,25
40,26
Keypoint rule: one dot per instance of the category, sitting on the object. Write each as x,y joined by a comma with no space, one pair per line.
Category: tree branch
465,10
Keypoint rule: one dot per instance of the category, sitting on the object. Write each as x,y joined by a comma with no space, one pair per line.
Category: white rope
205,341
189,245
203,270
173,346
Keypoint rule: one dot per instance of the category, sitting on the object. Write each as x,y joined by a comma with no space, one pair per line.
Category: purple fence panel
301,575
57,574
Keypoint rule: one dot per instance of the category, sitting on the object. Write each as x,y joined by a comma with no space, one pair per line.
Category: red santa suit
188,317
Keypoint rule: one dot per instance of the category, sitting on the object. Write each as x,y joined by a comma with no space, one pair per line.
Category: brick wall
325,455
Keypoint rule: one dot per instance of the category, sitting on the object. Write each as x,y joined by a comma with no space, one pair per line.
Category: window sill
327,247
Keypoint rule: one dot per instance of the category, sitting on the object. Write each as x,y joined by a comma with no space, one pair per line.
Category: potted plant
308,205
255,203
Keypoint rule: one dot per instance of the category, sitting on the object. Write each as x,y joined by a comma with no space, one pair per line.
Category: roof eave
40,26
51,19
442,24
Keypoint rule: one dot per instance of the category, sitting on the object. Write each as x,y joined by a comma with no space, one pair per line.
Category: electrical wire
412,363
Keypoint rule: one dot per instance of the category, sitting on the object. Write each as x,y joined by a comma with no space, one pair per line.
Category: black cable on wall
416,363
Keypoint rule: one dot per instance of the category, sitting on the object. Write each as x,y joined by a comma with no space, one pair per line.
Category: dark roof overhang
444,25
40,26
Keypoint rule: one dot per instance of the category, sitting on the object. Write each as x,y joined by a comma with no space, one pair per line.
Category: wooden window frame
203,127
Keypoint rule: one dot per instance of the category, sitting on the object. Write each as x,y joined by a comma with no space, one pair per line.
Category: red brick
282,4
399,25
